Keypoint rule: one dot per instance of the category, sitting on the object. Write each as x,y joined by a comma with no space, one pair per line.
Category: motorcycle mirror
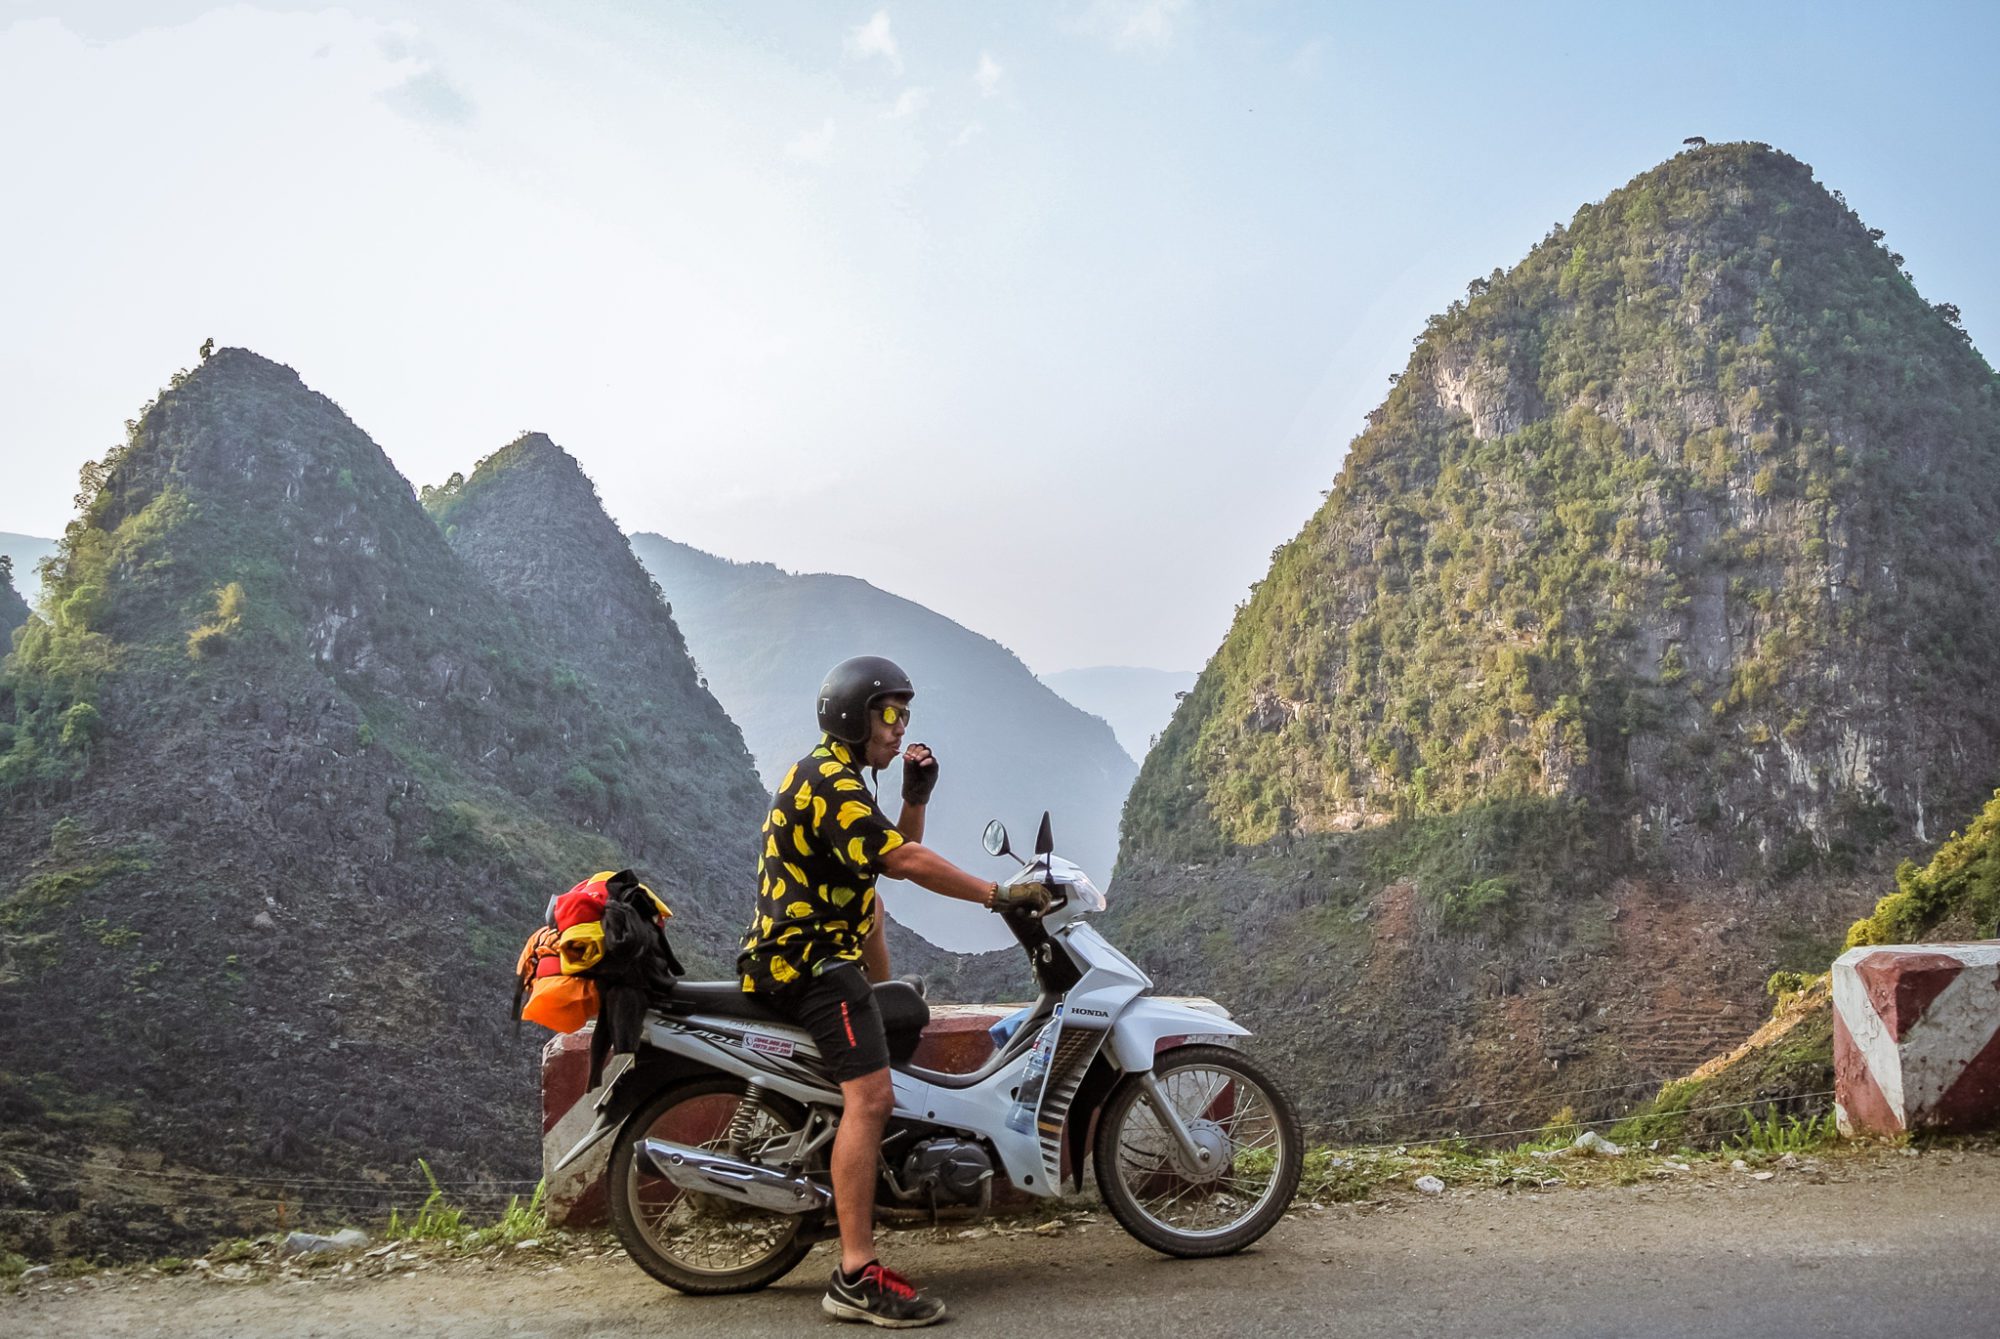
1045,841
994,839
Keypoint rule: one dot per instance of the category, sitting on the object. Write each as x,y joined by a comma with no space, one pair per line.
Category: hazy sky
1054,317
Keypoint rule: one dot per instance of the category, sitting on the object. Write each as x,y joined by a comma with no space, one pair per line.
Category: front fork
1200,1161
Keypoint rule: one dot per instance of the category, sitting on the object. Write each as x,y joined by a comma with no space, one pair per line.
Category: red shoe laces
890,1280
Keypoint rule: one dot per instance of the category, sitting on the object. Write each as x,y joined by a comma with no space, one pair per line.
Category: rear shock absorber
745,1120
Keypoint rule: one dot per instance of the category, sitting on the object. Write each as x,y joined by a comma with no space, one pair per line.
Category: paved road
1908,1247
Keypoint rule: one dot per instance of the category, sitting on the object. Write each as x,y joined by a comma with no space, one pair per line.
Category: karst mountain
1647,624
284,782
529,521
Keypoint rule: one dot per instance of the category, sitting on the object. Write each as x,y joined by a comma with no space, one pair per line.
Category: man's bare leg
857,1148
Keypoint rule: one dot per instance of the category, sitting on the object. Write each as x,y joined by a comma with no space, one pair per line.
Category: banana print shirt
824,840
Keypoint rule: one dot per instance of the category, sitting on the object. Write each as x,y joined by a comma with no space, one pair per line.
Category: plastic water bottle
1021,1116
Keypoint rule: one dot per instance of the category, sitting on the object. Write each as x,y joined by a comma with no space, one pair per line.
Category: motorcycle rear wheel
703,1244
1228,1104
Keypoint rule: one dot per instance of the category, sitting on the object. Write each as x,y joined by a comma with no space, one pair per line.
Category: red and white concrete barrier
1916,1038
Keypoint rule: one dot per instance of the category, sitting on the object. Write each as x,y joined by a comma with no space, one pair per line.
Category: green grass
1778,1133
437,1219
518,1222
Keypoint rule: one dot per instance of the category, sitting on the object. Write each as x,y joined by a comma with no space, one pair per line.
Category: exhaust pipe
706,1172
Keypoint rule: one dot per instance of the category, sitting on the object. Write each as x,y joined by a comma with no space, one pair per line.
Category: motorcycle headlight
1076,884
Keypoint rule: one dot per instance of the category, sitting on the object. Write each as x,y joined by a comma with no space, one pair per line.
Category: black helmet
851,687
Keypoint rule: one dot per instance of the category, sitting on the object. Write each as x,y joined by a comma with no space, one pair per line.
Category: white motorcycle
724,1120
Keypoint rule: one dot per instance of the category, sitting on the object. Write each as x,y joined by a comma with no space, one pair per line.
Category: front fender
1147,1022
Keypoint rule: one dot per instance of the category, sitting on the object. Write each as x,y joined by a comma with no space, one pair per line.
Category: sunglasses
892,714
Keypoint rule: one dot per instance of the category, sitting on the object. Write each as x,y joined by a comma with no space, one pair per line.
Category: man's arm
911,821
927,869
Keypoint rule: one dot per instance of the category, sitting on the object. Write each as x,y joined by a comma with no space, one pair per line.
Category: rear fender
633,1086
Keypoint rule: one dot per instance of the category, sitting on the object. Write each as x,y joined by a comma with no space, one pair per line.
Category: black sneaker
880,1297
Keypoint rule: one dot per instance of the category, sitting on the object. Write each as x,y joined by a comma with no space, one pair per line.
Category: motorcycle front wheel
698,1243
1179,1206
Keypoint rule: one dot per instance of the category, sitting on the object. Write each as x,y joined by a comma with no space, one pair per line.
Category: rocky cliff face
529,522
1647,611
283,783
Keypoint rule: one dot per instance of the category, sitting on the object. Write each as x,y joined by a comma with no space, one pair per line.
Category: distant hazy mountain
1137,702
1008,744
27,551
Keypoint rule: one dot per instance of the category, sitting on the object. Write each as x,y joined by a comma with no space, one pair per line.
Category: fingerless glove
919,781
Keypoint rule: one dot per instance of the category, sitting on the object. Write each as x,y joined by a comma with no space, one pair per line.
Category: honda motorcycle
723,1122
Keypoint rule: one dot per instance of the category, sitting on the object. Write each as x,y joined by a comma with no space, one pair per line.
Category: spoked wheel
1200,1206
704,1243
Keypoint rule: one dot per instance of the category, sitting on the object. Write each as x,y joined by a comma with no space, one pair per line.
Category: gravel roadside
1892,1246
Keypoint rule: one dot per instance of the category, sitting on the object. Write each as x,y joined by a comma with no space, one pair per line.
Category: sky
1055,317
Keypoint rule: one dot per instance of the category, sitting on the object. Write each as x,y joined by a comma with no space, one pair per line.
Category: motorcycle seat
904,1013
724,999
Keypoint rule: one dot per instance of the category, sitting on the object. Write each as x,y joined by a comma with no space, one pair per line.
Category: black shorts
838,1008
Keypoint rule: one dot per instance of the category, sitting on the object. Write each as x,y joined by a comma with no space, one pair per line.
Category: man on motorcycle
817,941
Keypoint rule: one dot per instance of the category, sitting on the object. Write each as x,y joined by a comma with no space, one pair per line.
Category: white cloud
987,76
813,146
1135,24
1306,61
967,135
428,96
912,101
874,38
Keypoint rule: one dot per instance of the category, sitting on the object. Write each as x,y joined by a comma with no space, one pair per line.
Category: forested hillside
1956,895
1647,619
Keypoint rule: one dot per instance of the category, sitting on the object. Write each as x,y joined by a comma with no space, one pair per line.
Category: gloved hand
1019,897
920,774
